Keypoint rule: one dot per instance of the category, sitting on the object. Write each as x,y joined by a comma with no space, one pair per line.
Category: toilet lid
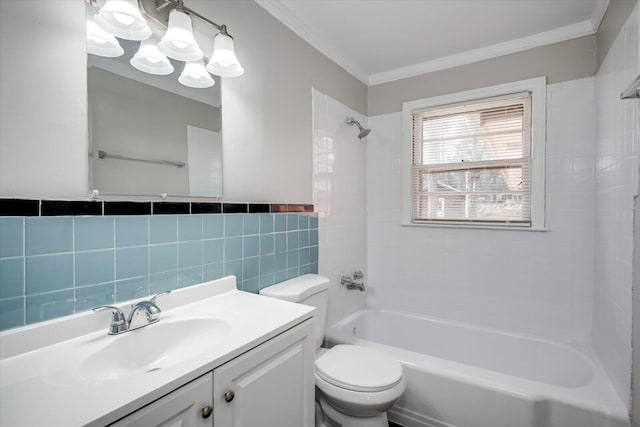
358,368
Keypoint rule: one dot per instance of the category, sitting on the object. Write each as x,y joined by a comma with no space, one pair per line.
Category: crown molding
598,14
557,35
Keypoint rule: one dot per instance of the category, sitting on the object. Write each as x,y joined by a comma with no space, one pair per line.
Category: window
476,158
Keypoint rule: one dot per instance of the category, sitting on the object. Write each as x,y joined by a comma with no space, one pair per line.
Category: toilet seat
358,369
357,402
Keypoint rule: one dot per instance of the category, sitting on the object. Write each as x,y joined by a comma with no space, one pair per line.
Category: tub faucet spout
351,284
354,285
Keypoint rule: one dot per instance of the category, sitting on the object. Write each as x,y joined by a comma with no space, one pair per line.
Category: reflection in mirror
149,134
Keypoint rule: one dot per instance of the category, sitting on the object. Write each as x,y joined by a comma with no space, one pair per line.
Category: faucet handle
117,313
153,300
119,323
151,310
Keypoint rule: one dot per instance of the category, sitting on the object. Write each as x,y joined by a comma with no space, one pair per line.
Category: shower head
363,131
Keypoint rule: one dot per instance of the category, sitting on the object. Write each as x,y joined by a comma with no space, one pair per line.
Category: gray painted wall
569,60
43,111
614,19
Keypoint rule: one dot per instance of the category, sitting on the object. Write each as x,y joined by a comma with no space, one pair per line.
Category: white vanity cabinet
269,385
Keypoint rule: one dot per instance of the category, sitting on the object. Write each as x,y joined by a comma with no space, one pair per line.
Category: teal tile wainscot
52,266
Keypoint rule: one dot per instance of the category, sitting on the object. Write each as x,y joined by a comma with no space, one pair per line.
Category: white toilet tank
309,289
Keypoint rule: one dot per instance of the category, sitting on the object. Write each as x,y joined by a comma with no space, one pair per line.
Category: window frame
537,86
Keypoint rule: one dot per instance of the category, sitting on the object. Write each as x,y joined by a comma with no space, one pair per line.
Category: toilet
355,385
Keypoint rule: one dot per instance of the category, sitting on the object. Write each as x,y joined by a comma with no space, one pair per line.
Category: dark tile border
74,207
235,208
19,207
279,208
291,208
170,208
299,208
31,207
127,208
206,208
259,208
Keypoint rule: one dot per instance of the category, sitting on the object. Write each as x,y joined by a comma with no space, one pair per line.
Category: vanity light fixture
178,42
123,19
195,75
149,59
126,19
101,43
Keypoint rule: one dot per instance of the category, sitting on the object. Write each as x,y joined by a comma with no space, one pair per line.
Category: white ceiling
384,40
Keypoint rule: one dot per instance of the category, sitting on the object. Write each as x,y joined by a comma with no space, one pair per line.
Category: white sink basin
153,348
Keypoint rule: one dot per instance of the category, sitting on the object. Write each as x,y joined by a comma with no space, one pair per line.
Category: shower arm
352,121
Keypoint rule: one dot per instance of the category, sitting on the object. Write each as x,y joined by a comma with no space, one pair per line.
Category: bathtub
466,376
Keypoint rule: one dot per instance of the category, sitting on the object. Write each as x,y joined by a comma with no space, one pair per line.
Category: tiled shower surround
59,265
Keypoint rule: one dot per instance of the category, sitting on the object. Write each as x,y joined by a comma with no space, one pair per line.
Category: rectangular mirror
149,134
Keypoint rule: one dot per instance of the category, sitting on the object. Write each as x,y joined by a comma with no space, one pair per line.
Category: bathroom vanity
217,356
266,379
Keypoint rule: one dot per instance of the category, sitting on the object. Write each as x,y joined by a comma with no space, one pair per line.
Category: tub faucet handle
358,275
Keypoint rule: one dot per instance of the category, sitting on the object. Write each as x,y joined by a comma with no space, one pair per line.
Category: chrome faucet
150,309
120,324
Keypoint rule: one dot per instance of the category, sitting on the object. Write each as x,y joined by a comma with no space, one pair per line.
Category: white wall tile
616,167
540,283
339,179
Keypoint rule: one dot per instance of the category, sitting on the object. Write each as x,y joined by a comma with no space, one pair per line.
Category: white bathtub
465,376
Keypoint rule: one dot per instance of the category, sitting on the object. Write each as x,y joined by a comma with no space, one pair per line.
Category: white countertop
40,381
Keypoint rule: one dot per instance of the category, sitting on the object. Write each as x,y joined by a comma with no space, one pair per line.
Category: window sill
475,227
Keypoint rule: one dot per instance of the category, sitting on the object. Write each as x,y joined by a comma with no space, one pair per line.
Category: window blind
471,162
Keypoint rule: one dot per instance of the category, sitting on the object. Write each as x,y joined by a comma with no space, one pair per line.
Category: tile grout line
24,271
149,257
115,261
73,261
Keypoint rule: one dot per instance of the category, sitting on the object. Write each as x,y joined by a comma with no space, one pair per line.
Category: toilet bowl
355,385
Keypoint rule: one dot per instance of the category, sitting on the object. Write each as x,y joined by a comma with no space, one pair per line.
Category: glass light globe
223,60
178,42
195,75
123,19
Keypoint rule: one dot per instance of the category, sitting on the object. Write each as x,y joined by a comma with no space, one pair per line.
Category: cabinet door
271,385
188,406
